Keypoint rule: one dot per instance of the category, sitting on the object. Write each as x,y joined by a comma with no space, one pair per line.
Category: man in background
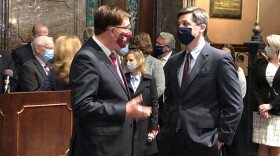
26,52
34,70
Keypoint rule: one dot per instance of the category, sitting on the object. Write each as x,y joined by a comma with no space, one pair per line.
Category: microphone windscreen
9,72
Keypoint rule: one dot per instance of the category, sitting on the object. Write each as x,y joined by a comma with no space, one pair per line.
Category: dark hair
143,42
232,52
199,16
106,16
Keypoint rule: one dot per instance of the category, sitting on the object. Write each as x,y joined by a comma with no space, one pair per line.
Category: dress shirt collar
165,58
43,64
196,51
106,50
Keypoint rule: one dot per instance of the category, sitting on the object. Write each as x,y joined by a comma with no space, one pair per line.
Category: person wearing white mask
34,71
265,91
143,84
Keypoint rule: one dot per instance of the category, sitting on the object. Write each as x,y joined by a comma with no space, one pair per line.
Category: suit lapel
177,65
39,67
142,85
109,64
199,64
276,77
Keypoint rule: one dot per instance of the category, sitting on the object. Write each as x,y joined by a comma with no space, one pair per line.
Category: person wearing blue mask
165,45
202,93
34,71
66,46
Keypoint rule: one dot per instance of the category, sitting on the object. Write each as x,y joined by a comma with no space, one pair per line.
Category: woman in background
153,66
140,83
266,93
66,47
242,80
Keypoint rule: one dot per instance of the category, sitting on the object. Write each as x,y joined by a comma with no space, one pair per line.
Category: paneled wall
60,16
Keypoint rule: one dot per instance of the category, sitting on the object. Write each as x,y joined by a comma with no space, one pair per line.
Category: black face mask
185,35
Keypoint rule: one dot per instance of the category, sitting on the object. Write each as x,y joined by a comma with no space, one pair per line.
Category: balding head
39,29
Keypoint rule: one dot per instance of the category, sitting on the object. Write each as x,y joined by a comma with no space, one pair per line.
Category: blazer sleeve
230,99
158,74
28,78
85,83
154,103
47,84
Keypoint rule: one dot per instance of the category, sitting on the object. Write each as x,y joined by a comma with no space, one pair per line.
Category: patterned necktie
116,65
46,69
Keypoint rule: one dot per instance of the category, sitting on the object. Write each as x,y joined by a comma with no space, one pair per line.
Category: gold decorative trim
2,113
45,105
34,106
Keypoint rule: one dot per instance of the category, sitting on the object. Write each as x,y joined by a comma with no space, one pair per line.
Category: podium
35,123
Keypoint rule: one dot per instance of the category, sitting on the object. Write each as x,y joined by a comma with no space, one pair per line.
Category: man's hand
220,144
135,110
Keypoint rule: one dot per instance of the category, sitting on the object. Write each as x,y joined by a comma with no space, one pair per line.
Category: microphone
9,73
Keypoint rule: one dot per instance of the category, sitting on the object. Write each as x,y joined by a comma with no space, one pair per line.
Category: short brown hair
108,16
141,41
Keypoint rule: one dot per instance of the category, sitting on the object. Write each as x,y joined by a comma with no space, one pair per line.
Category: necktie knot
113,57
116,65
46,69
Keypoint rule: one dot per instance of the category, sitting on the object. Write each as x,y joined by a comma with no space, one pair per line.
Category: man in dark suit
100,98
34,71
7,63
164,49
25,52
202,93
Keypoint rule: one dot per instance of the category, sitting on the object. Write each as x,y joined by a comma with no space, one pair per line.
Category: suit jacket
98,99
261,88
31,76
6,62
209,107
52,83
154,67
21,55
148,89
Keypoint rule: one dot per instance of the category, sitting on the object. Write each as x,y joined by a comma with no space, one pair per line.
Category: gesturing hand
135,110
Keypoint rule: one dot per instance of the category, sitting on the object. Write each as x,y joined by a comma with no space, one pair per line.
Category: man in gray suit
102,110
202,93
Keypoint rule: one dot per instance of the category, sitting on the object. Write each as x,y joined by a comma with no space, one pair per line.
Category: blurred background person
66,47
153,66
89,32
242,79
34,71
164,49
26,52
7,68
140,83
165,46
265,91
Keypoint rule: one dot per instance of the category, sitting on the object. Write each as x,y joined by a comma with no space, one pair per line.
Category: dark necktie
186,71
116,65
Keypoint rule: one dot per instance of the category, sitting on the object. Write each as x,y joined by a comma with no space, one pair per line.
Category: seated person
66,47
35,70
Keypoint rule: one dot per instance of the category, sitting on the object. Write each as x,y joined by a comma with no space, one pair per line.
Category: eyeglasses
127,28
43,47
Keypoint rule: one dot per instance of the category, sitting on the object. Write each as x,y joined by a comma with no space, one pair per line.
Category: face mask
123,38
158,50
131,67
269,51
49,54
185,35
124,50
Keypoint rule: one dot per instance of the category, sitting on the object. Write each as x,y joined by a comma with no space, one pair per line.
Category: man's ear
202,28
